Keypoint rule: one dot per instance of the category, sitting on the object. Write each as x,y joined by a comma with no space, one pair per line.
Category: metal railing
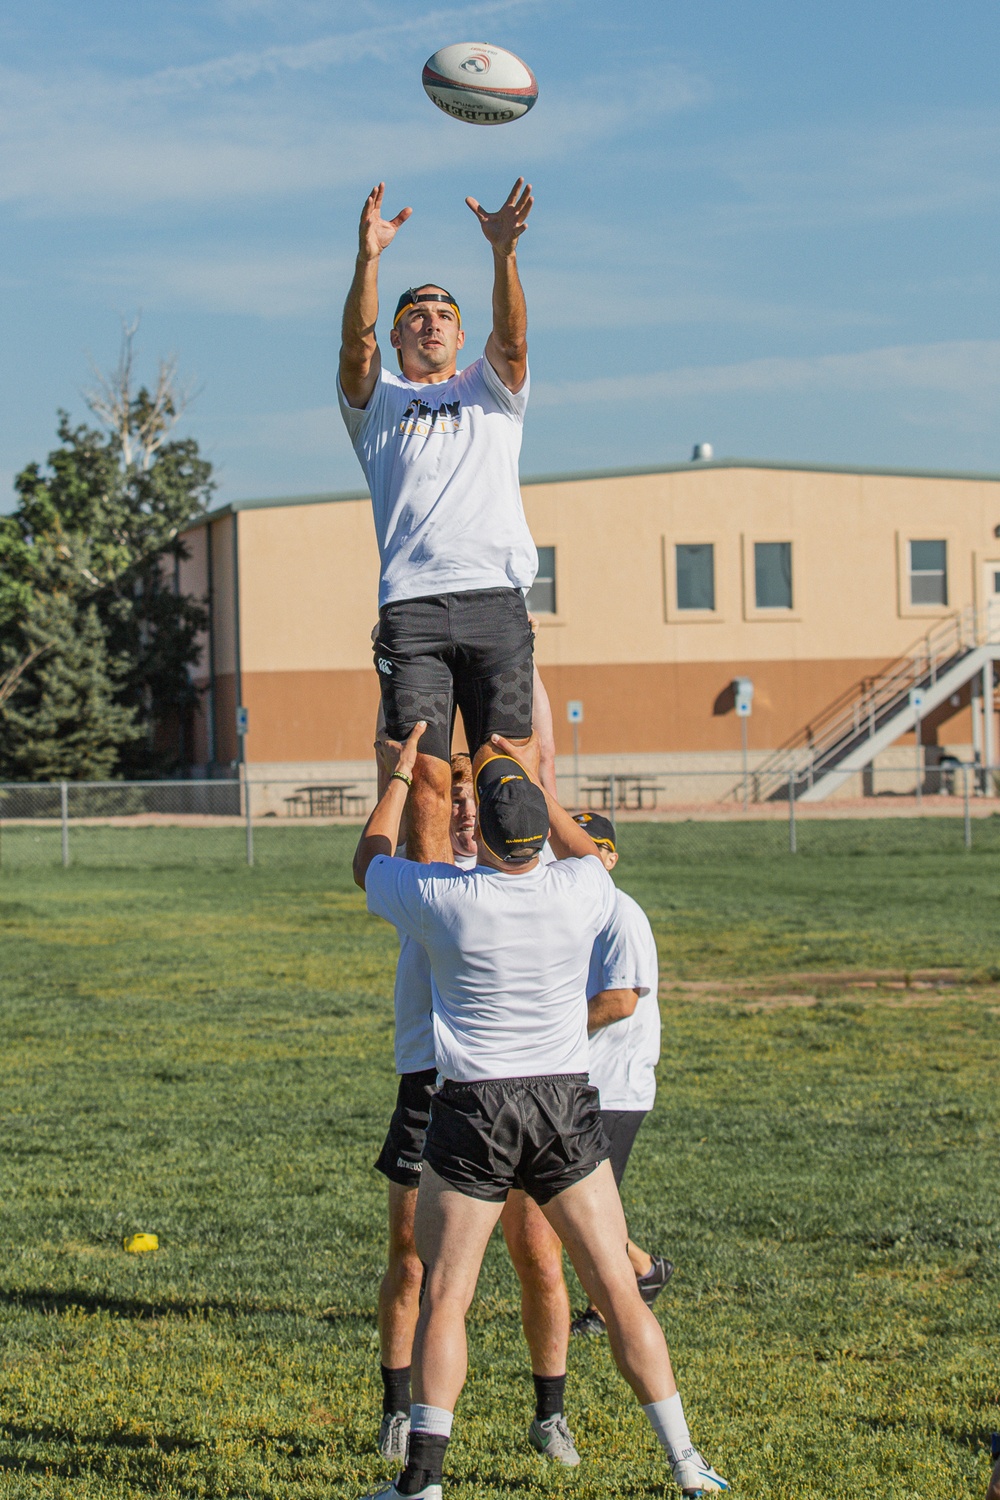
122,825
862,709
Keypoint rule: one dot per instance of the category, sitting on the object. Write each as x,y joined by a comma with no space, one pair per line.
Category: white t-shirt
414,1044
441,465
509,956
623,1056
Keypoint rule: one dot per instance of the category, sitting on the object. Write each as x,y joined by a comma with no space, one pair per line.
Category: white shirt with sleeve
623,1056
441,465
509,957
414,1036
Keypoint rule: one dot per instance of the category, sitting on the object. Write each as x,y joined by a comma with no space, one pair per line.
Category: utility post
242,727
574,714
743,694
917,704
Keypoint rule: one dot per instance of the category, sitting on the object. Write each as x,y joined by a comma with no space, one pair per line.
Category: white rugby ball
479,84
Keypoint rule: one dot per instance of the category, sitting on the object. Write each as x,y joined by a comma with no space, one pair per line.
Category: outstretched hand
528,754
375,233
407,753
504,227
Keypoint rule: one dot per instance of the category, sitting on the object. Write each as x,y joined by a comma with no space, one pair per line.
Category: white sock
670,1425
433,1420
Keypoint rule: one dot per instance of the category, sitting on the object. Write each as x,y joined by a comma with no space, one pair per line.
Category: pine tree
86,580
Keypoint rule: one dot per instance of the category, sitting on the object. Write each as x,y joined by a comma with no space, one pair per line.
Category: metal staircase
847,735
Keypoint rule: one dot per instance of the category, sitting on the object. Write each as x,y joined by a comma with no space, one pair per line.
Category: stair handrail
869,697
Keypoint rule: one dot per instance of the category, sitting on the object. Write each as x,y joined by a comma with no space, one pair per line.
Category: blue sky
772,227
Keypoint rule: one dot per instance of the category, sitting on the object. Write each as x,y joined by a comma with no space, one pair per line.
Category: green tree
87,565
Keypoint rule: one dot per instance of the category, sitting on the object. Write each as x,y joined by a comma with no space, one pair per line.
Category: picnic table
319,799
631,791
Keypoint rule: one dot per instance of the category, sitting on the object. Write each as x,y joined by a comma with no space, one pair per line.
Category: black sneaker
655,1279
589,1323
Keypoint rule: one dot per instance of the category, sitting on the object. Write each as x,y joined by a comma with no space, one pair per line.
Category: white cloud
970,369
279,285
213,133
381,41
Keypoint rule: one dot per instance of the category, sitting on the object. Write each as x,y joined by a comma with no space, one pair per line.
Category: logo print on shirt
421,420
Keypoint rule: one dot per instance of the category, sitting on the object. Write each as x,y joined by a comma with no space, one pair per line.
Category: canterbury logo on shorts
384,666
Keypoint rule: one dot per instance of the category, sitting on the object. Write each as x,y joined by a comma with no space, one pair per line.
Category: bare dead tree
142,421
10,678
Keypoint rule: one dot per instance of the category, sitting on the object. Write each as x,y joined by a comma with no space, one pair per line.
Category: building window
772,566
695,575
928,572
542,594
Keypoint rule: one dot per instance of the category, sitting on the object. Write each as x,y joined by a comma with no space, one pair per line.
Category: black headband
413,295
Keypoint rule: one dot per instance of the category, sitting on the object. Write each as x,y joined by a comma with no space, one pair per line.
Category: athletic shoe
390,1492
589,1323
553,1439
655,1279
393,1435
694,1476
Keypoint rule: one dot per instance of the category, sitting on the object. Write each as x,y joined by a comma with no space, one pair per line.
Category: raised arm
380,834
360,361
507,345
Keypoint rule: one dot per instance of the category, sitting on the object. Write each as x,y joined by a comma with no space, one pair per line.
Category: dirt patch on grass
887,986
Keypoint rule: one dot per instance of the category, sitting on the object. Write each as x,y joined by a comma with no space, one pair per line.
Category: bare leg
399,1294
536,1251
541,724
452,1232
429,810
642,1263
588,1218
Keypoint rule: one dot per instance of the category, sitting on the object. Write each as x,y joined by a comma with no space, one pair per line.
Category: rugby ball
479,84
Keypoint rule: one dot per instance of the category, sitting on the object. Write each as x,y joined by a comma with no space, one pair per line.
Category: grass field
206,1053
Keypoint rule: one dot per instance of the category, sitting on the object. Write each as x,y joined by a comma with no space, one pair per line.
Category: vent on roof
702,453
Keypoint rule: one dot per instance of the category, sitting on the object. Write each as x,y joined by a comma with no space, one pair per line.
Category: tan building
657,590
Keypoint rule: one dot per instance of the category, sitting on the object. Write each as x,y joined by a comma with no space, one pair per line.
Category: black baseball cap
601,830
415,294
513,816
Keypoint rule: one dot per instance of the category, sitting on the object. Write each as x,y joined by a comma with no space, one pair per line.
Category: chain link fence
704,814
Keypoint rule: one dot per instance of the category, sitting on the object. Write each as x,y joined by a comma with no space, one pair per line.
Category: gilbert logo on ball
479,84
137,1243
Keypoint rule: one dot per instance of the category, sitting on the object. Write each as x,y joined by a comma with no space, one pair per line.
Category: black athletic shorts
539,1134
621,1126
472,651
401,1156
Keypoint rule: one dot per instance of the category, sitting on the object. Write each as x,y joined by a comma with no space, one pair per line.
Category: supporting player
508,945
623,1022
544,1302
439,450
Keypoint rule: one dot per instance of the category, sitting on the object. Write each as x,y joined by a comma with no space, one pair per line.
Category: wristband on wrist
401,776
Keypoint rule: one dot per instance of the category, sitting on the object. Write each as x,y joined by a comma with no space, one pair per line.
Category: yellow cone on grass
136,1243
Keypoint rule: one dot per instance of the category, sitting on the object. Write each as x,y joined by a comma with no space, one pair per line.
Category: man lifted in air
439,450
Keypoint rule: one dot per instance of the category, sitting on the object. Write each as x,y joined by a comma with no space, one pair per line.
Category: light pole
574,713
917,703
743,694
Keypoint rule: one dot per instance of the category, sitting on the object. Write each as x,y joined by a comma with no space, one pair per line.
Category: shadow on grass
141,1310
135,1307
43,1432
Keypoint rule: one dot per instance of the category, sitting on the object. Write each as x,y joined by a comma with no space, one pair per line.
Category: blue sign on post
743,694
574,711
242,721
